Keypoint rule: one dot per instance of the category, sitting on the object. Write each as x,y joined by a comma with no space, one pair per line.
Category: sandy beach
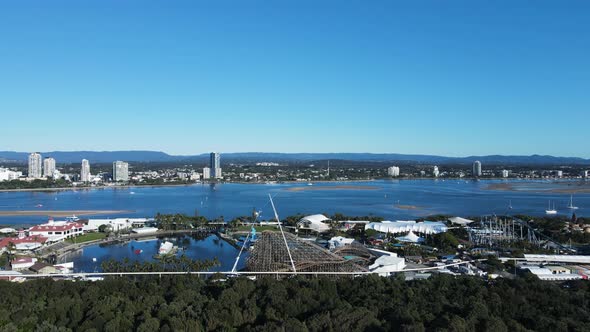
344,187
59,213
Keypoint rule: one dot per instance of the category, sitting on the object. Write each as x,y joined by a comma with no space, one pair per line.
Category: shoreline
60,213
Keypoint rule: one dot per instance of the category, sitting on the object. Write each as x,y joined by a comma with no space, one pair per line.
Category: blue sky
452,78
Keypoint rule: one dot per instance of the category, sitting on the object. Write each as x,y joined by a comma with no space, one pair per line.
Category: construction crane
282,233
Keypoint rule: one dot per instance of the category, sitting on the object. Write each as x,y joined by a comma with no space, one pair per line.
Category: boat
73,218
509,205
571,205
166,248
550,210
310,184
138,251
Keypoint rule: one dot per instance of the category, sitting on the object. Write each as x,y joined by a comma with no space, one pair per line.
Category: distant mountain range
157,156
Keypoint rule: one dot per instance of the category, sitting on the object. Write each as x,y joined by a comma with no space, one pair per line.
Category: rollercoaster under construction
497,231
270,254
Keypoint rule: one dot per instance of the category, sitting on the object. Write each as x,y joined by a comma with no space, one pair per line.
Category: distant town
47,172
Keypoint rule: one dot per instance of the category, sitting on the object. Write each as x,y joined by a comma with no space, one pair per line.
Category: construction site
492,231
277,252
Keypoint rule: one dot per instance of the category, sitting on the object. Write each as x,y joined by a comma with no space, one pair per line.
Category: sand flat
543,187
342,187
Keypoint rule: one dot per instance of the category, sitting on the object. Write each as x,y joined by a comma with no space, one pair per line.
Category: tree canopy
441,303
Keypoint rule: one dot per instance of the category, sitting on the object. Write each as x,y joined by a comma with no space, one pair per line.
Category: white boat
550,210
165,248
310,184
571,205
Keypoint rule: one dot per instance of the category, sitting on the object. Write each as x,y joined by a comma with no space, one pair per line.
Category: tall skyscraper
48,167
35,165
85,171
215,165
477,168
393,171
206,173
435,171
120,171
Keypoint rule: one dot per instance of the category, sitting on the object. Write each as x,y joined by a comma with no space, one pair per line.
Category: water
455,197
196,247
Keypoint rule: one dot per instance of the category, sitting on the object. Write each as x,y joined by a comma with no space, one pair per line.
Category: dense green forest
184,303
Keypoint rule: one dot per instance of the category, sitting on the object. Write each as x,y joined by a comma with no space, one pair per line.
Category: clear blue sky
430,77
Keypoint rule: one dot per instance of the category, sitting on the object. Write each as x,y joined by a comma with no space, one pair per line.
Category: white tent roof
315,218
411,237
426,227
460,221
314,222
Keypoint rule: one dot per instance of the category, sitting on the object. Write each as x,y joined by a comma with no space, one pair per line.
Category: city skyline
275,78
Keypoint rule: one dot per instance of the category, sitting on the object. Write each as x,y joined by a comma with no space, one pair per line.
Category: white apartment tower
477,168
85,171
120,171
35,165
393,171
48,167
215,165
206,173
435,171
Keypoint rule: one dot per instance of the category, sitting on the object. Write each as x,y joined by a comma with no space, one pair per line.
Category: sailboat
571,205
550,210
509,205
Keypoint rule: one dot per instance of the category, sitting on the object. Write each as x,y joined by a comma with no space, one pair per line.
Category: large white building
35,166
393,171
206,173
116,224
435,171
57,230
477,168
9,175
120,171
505,173
85,171
48,167
215,165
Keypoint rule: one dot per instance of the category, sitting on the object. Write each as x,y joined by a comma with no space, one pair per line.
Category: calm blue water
196,248
462,198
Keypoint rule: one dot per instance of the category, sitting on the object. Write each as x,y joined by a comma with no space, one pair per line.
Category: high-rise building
120,171
505,173
85,171
435,171
393,171
35,165
206,173
48,167
477,168
215,165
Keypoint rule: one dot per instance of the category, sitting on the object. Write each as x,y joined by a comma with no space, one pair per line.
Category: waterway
391,199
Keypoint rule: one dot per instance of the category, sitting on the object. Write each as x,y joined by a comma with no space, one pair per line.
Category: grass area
258,228
87,237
